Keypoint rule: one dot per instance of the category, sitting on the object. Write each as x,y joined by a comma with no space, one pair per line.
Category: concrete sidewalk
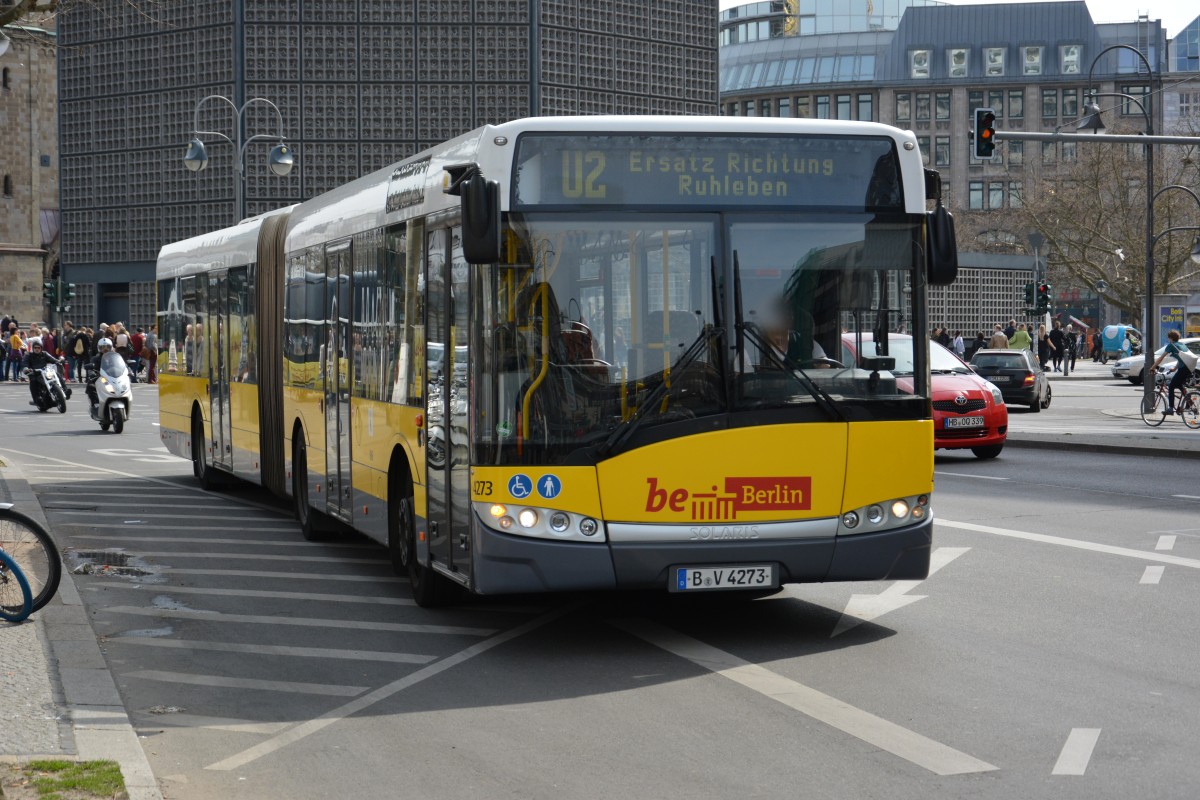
57,697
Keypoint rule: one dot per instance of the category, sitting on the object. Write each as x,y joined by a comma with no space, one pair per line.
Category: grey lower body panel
505,564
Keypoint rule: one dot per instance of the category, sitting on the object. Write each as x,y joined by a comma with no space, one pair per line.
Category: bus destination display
857,173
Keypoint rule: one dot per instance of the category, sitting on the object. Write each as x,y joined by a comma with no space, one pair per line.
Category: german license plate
710,579
999,378
964,422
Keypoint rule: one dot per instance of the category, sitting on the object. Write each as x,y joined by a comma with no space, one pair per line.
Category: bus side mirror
480,200
941,248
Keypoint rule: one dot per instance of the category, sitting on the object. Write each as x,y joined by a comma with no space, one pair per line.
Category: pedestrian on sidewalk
999,340
1020,340
1056,346
1070,342
1043,346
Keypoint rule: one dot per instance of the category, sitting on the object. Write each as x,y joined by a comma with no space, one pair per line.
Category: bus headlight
527,517
899,509
895,513
850,519
559,521
538,523
875,514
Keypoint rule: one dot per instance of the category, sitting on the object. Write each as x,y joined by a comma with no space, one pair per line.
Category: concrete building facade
359,84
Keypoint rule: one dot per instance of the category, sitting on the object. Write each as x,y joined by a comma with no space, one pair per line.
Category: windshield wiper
646,407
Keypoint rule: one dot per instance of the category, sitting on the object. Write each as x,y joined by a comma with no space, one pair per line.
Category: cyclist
1182,373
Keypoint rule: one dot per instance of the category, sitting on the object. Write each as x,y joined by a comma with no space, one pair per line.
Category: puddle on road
110,563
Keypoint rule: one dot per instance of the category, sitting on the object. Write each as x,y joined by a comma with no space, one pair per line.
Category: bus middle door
336,363
218,369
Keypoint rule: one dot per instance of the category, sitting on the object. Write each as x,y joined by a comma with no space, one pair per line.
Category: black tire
1156,414
30,546
429,589
1036,405
60,400
105,426
314,526
1135,380
119,420
991,451
1189,409
1049,394
201,471
16,603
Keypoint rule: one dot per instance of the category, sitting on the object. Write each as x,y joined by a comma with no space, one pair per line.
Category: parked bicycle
1188,406
16,602
30,547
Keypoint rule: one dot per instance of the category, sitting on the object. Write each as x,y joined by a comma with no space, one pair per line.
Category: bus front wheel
429,589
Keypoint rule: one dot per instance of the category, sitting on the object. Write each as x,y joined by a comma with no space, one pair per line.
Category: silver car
1130,368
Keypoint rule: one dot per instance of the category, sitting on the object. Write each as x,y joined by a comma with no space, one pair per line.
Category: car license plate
999,379
709,579
964,422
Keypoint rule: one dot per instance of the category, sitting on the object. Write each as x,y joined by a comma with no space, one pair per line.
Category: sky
1175,14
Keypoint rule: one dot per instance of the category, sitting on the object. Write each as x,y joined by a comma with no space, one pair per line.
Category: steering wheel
822,362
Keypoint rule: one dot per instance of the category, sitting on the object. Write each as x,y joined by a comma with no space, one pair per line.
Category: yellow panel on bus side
887,460
759,474
376,429
243,402
305,405
177,393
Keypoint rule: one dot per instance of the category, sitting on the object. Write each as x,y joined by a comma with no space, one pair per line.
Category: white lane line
888,736
968,475
1077,752
1079,544
153,720
257,557
299,576
159,588
310,727
1153,574
1165,542
276,650
108,537
1186,496
350,624
247,683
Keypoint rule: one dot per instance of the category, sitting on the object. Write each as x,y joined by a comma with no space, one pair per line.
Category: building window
941,105
1031,58
1049,152
903,107
993,61
822,106
6,84
843,106
1189,104
1142,94
918,63
923,110
974,101
1068,151
975,195
941,153
785,106
996,102
1070,103
1049,103
764,108
1016,104
8,186
866,107
957,58
1014,195
996,195
804,107
923,145
748,108
1016,153
1069,56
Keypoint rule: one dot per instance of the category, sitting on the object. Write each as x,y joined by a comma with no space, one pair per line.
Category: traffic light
985,134
50,291
1044,303
1029,295
68,292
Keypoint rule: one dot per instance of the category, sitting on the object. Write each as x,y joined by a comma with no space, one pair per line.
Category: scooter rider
103,346
37,359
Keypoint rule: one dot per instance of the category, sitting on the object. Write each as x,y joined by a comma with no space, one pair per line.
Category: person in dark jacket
38,358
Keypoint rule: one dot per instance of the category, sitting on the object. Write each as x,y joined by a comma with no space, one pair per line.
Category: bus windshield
602,327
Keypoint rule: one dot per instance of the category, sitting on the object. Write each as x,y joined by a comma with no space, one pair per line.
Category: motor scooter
48,390
113,403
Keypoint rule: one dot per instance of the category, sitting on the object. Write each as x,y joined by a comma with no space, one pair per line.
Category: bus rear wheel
313,524
200,469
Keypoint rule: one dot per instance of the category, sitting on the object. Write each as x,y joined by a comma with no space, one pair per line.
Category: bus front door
218,370
337,382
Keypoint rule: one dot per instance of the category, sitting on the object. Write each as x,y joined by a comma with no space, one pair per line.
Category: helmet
104,345
37,344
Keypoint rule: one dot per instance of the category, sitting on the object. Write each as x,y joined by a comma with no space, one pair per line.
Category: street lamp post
1092,121
280,161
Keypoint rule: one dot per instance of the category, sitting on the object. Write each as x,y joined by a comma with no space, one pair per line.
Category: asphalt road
1050,654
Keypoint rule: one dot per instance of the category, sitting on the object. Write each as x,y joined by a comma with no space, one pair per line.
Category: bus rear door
218,369
336,364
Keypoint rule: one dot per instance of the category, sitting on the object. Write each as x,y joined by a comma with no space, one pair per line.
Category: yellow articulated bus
582,353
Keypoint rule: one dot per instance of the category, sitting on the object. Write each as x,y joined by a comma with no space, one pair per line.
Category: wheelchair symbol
519,486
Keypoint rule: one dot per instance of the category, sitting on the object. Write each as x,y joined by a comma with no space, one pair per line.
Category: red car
968,411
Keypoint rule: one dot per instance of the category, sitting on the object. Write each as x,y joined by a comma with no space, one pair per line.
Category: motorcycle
114,396
48,390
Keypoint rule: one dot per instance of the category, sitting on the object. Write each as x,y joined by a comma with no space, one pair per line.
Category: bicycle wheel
30,546
16,603
1155,415
1189,409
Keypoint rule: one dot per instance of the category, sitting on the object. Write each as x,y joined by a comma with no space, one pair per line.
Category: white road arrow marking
866,607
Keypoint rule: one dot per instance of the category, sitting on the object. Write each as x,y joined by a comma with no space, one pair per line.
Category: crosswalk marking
247,683
349,624
223,592
275,650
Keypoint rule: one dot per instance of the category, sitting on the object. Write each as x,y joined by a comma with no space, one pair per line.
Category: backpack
80,348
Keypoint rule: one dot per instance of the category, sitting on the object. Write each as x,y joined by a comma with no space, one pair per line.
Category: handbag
1188,358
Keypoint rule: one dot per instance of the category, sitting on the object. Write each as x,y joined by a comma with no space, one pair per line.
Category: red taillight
1030,378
